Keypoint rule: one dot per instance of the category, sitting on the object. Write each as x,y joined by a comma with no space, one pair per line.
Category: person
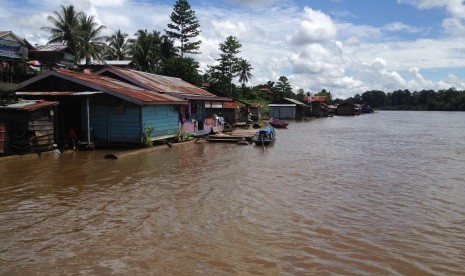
72,137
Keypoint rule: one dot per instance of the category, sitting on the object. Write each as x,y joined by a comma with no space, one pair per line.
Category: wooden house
318,104
193,117
287,108
255,112
26,126
53,55
102,110
14,52
346,109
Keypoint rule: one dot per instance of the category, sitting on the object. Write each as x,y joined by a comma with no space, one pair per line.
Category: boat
277,123
264,136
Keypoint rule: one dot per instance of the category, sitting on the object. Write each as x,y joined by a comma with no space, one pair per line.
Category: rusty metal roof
25,105
163,84
108,85
315,99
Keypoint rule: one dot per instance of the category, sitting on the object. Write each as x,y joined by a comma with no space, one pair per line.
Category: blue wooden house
193,116
103,110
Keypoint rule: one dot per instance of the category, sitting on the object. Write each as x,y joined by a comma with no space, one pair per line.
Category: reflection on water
372,194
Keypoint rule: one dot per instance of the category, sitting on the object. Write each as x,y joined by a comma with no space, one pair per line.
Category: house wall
164,118
282,112
345,110
28,131
115,124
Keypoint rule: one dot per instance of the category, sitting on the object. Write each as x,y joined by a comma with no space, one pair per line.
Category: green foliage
282,89
442,100
185,68
79,31
181,135
119,46
90,45
184,27
147,135
222,74
65,25
152,52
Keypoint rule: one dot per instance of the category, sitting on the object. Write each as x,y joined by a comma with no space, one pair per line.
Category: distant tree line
442,100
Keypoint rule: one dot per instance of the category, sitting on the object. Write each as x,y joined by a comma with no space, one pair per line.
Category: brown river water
377,194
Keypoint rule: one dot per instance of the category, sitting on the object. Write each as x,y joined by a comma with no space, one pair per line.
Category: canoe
277,123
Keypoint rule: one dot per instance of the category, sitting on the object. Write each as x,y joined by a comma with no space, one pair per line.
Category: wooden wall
164,118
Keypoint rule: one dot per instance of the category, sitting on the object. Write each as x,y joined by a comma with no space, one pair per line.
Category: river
377,194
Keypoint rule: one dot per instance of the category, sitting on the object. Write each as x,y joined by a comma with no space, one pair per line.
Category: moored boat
277,123
265,136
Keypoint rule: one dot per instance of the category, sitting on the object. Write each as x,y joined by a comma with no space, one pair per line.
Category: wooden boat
277,123
264,136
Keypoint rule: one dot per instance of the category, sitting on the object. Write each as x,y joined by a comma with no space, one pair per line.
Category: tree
223,73
185,68
146,51
90,45
184,27
300,95
167,49
65,26
282,89
119,46
243,69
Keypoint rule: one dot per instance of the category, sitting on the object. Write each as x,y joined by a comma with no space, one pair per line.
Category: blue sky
345,46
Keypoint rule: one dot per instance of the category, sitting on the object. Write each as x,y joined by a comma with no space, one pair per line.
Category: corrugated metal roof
27,105
118,62
163,84
295,101
315,99
51,48
110,86
60,93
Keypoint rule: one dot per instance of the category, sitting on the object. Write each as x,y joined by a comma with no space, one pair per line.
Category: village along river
378,194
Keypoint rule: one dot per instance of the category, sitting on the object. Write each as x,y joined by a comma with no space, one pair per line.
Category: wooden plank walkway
235,136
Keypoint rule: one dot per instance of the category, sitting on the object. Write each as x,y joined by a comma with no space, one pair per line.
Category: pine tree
223,73
184,27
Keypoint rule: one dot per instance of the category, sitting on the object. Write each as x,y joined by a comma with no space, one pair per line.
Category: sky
344,46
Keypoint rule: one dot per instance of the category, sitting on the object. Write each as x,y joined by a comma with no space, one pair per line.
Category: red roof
110,86
321,99
163,84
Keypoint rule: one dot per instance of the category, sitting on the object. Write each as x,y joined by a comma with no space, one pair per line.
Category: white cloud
456,8
314,27
303,44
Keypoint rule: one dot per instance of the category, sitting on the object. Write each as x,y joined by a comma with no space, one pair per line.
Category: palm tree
118,46
64,27
89,44
243,69
167,48
146,51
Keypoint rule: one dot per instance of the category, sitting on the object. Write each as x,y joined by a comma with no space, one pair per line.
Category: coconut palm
167,48
243,69
118,46
90,45
146,51
64,27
